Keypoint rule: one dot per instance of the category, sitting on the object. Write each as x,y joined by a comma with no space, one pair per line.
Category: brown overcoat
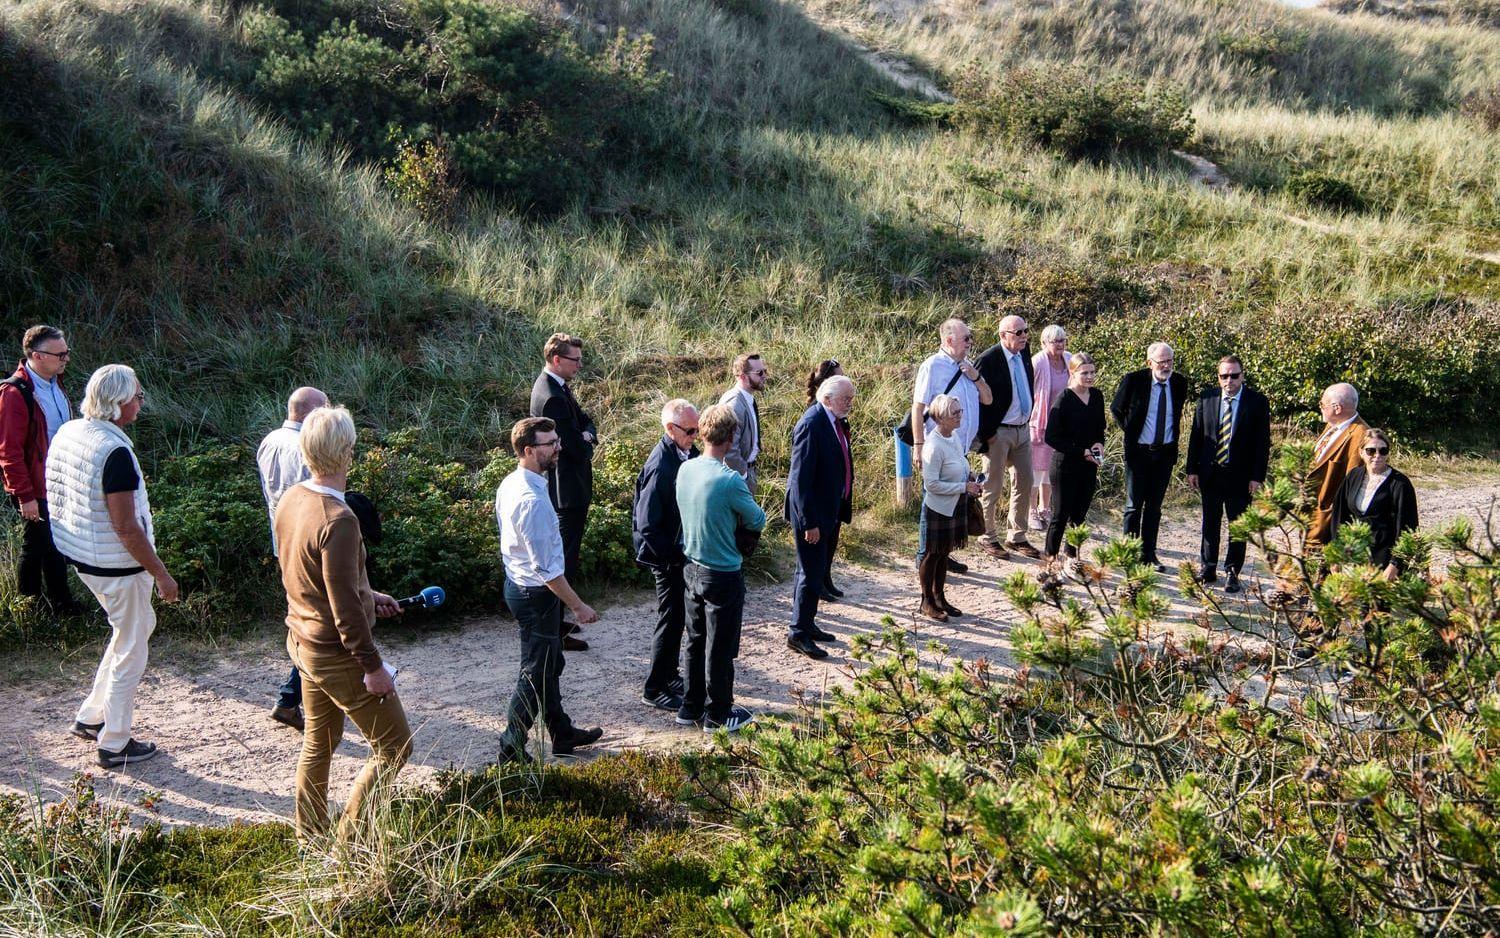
1327,474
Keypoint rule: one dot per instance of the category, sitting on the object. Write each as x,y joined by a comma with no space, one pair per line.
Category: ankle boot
940,592
928,574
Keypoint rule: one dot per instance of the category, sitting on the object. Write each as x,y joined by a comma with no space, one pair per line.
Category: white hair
672,411
1343,393
950,326
327,440
109,389
1054,331
832,386
1156,348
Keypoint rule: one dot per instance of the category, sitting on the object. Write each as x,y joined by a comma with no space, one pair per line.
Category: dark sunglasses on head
690,431
1377,450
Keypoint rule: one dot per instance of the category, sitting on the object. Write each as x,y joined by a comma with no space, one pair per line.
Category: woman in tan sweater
331,611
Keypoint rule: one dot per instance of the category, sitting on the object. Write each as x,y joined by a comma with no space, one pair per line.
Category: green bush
1073,111
1321,190
1483,108
1267,47
523,111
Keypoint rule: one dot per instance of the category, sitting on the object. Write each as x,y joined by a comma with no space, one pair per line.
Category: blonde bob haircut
109,389
943,406
327,441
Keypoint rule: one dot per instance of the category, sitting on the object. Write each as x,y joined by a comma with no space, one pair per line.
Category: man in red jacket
32,408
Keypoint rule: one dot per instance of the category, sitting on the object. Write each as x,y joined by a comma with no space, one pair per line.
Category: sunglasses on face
1230,376
1017,331
690,431
1377,450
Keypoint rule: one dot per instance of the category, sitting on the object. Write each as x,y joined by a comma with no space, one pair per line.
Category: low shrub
1483,108
1321,190
1073,111
1267,47
425,176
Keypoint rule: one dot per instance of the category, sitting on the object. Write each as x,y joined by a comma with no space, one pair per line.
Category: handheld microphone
430,597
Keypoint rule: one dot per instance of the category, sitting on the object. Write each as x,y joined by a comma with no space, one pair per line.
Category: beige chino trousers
1008,454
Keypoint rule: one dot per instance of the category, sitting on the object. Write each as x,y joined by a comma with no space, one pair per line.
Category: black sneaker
676,686
576,738
1233,586
86,730
738,717
686,717
512,755
1211,575
133,751
662,700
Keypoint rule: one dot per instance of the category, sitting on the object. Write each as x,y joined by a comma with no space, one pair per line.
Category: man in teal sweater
714,502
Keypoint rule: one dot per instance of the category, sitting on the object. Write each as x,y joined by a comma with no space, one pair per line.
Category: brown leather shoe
1025,549
569,643
288,716
994,550
932,611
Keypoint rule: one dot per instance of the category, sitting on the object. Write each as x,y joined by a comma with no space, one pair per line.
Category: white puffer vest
81,528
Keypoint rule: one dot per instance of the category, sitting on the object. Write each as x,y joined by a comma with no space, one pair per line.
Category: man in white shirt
1148,407
536,589
750,375
947,371
1005,438
279,459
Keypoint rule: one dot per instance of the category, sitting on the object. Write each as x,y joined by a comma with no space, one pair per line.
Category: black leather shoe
821,635
576,738
957,566
1210,575
827,597
806,646
512,755
288,716
830,590
1233,586
1158,567
569,643
86,730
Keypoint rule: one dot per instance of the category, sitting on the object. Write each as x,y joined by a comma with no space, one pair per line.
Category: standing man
656,533
536,589
1337,451
102,523
33,408
1227,456
715,502
1005,438
1148,407
279,459
749,377
947,371
570,480
819,498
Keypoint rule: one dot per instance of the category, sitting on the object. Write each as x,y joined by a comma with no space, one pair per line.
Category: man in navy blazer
1226,462
819,499
1148,407
656,533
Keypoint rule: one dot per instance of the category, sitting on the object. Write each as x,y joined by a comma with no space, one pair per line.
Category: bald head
1339,403
303,402
1013,334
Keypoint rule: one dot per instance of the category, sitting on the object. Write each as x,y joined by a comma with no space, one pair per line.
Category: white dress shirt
279,458
312,486
531,545
1148,431
932,377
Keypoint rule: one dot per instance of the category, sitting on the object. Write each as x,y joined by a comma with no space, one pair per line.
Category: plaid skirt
946,534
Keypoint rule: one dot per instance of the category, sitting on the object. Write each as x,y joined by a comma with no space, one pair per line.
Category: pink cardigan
1041,395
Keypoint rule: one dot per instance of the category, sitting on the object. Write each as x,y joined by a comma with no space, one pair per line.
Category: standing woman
1051,368
1379,496
945,480
1075,431
826,369
330,616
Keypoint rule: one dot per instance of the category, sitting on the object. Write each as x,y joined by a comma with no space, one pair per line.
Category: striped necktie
1226,427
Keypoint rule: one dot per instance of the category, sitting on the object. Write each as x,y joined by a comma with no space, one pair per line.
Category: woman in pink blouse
1051,367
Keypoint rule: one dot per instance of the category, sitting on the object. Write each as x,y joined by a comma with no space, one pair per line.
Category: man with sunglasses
1005,438
656,534
750,375
1227,456
571,479
33,407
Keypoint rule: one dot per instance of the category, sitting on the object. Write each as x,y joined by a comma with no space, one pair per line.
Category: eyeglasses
540,443
140,397
690,431
64,354
756,374
1377,450
1164,362
1231,375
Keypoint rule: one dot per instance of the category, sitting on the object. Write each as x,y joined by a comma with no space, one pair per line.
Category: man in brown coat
1336,453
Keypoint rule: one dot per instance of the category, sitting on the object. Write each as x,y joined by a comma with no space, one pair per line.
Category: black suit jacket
571,481
815,485
655,521
996,373
1133,401
1249,441
1392,510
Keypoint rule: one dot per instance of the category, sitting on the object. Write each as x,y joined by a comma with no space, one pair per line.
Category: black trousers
539,615
40,563
1221,498
716,611
1074,480
666,639
571,523
1148,470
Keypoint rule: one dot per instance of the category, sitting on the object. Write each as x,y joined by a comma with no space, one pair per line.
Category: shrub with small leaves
1320,190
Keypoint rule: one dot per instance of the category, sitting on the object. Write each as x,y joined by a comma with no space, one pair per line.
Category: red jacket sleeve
15,427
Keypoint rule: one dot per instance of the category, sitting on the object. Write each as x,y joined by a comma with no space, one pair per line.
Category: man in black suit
819,499
1148,407
656,533
570,481
1226,462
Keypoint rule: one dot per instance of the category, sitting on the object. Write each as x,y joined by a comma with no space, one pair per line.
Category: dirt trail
224,760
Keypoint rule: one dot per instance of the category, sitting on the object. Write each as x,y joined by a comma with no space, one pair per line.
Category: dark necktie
755,409
1161,415
843,432
573,403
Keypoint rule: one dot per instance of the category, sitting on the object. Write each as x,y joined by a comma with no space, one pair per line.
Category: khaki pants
1009,449
333,686
111,701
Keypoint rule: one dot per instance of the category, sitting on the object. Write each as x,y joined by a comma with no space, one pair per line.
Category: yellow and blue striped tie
1226,427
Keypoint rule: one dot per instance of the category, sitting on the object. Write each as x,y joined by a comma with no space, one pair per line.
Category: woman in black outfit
1075,431
1379,496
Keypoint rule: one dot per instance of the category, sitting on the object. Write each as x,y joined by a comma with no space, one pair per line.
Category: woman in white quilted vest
101,522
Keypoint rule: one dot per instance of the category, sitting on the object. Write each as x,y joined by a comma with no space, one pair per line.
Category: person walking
946,481
101,522
1338,452
1075,432
1380,496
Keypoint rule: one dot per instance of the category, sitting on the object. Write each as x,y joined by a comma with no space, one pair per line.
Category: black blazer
1133,401
996,373
655,521
571,481
1073,426
1249,441
815,484
1392,510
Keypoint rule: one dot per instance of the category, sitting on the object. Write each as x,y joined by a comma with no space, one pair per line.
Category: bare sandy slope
224,760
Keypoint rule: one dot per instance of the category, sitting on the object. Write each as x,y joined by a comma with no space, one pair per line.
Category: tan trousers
1009,449
333,686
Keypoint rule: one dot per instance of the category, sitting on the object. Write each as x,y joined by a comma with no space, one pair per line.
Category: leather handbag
976,515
